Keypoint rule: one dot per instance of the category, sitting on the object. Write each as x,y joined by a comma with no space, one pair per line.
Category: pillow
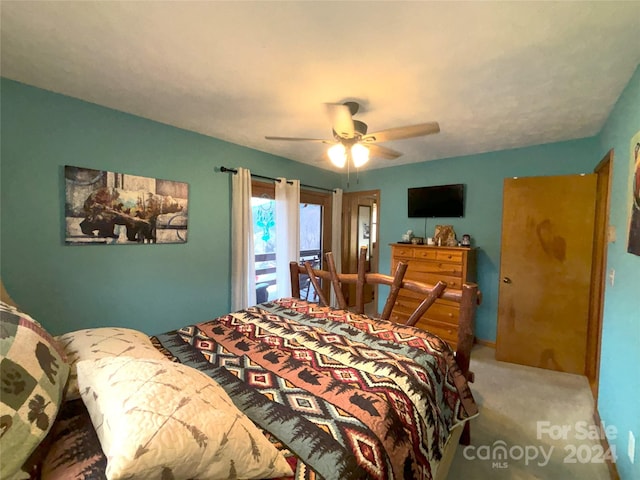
96,343
159,419
33,373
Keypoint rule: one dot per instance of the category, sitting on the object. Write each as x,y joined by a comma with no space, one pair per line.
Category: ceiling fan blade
295,139
382,152
341,120
400,133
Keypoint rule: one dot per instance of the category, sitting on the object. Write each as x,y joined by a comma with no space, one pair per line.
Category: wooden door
545,271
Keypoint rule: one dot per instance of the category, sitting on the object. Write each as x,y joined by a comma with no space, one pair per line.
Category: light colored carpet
512,399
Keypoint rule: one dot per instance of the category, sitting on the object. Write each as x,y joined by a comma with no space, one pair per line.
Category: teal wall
152,288
483,176
619,386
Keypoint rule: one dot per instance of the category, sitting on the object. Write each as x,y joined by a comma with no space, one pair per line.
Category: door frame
350,203
604,171
326,201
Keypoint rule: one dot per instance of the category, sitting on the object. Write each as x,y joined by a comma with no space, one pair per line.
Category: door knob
506,280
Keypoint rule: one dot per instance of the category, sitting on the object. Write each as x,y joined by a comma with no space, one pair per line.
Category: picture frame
104,207
633,243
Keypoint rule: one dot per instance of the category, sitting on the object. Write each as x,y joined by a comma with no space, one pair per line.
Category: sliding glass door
315,237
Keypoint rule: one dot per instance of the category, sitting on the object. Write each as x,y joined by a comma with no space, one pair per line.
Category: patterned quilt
343,395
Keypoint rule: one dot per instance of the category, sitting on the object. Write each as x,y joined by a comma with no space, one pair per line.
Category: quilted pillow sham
159,419
33,373
96,343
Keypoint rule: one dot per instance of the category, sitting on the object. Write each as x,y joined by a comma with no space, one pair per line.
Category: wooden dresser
429,264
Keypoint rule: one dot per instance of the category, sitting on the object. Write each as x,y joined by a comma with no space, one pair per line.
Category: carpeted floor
544,419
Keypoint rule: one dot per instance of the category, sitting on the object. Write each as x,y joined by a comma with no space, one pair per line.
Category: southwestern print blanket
343,395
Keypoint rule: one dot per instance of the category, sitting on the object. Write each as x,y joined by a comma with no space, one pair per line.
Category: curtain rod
234,171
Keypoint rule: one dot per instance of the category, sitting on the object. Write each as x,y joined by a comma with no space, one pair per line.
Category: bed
298,390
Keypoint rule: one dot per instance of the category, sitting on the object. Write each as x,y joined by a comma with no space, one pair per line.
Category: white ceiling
495,75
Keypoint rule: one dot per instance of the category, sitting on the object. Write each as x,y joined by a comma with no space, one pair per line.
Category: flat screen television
436,201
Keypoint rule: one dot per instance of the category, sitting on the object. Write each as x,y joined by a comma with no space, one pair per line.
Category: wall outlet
631,447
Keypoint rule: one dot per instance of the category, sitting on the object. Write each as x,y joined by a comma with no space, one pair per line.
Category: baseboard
611,465
486,343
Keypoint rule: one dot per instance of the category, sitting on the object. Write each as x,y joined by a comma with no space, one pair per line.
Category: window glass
313,206
264,246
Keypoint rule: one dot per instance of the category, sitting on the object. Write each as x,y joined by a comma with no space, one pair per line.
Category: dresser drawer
445,331
444,311
399,316
408,295
405,305
449,256
434,267
433,278
425,253
449,333
404,252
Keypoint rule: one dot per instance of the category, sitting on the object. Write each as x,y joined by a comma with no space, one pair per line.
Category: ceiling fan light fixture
360,155
352,143
338,155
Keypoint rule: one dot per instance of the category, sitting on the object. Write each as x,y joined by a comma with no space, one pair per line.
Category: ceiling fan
351,140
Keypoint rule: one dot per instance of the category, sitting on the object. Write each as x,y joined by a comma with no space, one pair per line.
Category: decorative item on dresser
430,264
